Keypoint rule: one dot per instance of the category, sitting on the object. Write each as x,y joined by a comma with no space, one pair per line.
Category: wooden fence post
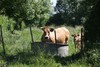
82,39
2,40
55,36
31,34
3,46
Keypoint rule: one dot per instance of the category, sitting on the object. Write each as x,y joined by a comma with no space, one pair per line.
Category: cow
58,35
77,41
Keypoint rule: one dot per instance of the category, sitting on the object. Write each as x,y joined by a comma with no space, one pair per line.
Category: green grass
19,54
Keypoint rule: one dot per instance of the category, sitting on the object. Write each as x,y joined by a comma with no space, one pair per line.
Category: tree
74,12
92,36
92,25
30,11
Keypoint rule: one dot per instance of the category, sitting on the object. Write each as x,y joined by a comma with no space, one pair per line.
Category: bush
7,23
92,36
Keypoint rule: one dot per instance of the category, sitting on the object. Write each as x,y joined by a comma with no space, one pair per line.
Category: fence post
3,46
82,39
2,40
55,36
31,34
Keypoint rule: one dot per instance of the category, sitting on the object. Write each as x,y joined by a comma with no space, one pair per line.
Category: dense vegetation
92,36
26,11
19,53
71,12
17,15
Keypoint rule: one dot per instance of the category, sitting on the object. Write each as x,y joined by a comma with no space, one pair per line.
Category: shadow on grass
69,59
22,57
30,58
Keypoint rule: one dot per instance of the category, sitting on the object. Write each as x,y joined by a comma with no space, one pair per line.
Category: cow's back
62,31
61,35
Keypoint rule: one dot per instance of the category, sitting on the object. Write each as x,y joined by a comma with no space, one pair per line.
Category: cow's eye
48,32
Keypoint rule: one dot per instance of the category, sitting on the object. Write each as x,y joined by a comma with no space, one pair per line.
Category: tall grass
19,54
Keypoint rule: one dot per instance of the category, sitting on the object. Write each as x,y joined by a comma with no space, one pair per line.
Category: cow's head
77,37
46,31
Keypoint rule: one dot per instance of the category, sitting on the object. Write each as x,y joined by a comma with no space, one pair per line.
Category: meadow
19,53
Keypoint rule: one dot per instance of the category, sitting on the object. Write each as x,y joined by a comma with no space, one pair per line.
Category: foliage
92,36
38,11
7,23
29,11
92,25
72,12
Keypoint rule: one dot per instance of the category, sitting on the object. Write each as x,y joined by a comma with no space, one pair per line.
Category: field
19,54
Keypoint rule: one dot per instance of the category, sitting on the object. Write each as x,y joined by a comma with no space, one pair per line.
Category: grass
19,54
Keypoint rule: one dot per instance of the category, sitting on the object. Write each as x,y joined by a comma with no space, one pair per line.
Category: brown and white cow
77,41
58,35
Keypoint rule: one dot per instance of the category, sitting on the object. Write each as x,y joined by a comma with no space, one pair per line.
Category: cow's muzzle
46,37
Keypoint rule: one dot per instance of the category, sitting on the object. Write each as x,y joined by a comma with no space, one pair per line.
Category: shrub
7,23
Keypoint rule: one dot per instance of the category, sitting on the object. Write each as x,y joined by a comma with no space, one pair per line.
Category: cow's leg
76,47
79,47
75,44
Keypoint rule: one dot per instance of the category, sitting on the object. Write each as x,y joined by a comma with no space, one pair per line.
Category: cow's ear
42,28
51,29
